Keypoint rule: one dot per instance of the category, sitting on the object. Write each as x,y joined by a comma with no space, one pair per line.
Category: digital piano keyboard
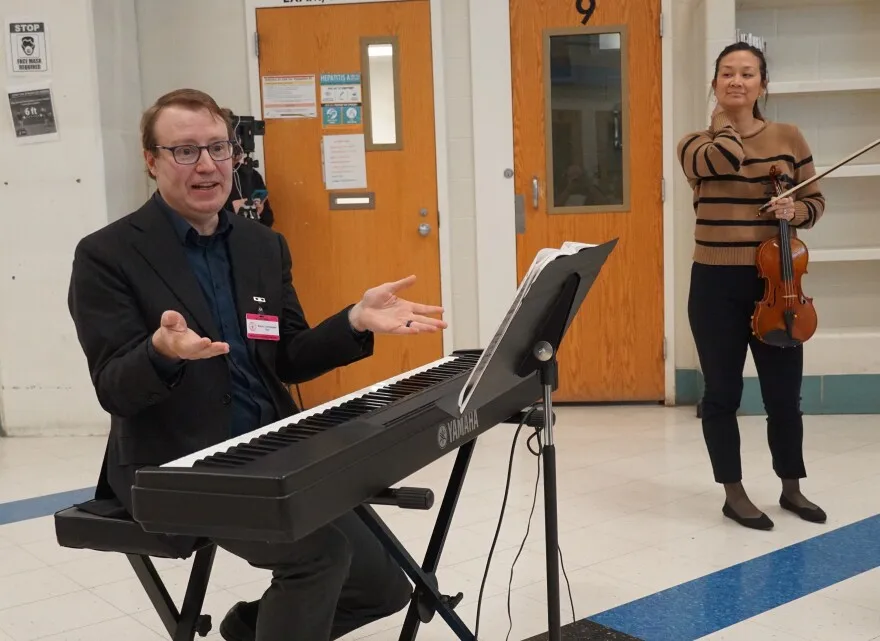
287,479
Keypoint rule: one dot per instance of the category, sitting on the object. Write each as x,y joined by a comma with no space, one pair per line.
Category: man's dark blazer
125,276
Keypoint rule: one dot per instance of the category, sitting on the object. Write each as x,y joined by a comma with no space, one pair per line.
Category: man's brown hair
187,98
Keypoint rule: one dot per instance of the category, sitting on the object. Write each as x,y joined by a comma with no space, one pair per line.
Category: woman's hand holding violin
782,208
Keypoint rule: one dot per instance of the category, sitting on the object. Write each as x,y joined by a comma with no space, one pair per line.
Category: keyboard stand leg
427,598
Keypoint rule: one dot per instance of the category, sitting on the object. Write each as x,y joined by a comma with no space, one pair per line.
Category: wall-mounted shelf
749,5
851,171
852,350
845,254
825,76
824,85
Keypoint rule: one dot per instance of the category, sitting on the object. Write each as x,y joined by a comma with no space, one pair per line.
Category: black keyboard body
284,487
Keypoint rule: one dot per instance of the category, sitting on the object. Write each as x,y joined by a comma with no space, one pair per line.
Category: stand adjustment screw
543,351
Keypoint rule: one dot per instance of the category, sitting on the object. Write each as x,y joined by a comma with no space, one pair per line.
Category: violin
785,316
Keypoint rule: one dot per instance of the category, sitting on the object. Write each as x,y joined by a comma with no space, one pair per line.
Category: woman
728,167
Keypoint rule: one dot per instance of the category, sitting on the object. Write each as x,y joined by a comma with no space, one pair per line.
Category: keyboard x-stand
288,479
526,345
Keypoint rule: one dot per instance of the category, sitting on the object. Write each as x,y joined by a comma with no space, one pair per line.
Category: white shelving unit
825,77
830,84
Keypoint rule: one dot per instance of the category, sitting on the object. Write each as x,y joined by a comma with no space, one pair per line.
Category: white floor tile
55,615
822,619
752,631
639,512
122,628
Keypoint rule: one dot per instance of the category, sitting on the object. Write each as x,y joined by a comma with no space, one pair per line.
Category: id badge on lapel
260,326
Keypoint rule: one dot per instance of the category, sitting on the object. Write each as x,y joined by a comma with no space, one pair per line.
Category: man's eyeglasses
190,154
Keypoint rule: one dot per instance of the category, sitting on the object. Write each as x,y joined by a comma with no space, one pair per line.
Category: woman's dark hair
743,46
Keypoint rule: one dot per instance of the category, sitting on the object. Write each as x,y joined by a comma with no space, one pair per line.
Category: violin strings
787,261
788,267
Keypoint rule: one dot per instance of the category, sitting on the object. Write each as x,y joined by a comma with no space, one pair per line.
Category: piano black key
374,401
269,487
300,431
257,447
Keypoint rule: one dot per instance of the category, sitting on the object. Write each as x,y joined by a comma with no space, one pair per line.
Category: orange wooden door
588,168
339,253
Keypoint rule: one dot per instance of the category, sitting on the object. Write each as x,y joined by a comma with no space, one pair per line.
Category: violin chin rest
779,338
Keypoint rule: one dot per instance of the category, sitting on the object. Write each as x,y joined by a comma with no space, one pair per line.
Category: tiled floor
638,514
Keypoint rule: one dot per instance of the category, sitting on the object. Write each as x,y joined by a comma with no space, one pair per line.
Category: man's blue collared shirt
211,263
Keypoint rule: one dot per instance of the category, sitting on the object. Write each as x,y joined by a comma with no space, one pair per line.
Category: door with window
368,70
588,168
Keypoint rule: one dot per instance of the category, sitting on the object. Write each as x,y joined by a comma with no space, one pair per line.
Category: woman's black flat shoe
762,522
811,514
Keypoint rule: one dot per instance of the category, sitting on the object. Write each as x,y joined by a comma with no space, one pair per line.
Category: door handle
535,192
424,229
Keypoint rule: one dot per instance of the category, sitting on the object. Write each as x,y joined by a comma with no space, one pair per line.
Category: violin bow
808,181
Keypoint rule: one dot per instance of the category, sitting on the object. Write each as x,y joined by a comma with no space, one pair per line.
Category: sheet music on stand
542,260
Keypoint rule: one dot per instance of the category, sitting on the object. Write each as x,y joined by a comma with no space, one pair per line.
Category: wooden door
338,253
588,149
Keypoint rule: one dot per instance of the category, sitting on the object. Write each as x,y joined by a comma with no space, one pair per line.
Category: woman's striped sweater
730,176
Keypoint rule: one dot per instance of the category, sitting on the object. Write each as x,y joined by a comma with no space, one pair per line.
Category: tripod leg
551,520
552,541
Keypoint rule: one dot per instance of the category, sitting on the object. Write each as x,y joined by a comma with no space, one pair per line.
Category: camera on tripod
246,128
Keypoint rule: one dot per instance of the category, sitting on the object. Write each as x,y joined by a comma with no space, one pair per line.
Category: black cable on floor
537,436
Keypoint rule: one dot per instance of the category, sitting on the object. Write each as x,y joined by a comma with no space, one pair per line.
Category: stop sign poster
28,51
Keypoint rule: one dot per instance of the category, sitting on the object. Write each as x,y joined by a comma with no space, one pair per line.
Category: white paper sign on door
345,161
290,97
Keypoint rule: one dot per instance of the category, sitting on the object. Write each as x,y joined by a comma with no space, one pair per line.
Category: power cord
537,436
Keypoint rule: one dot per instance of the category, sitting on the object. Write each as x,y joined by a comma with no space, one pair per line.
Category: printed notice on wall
345,161
27,50
33,113
340,88
289,97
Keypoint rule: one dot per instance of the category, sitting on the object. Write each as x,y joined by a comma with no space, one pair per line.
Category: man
160,300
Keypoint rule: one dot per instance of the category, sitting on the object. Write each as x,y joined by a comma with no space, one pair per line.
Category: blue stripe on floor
685,612
38,506
716,601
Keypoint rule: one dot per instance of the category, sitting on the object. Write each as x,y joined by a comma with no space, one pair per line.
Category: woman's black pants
720,305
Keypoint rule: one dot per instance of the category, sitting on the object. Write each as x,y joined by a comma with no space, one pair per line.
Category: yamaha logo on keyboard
456,429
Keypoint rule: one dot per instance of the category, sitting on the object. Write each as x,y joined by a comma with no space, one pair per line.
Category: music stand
527,342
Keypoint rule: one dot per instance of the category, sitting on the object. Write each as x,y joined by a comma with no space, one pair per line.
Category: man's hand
382,312
174,339
258,205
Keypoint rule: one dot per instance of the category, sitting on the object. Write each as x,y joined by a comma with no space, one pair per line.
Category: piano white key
189,460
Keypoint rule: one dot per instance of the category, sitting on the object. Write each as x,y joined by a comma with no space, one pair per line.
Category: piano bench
102,525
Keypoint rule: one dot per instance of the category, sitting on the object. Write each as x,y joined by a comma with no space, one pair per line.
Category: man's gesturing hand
174,339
